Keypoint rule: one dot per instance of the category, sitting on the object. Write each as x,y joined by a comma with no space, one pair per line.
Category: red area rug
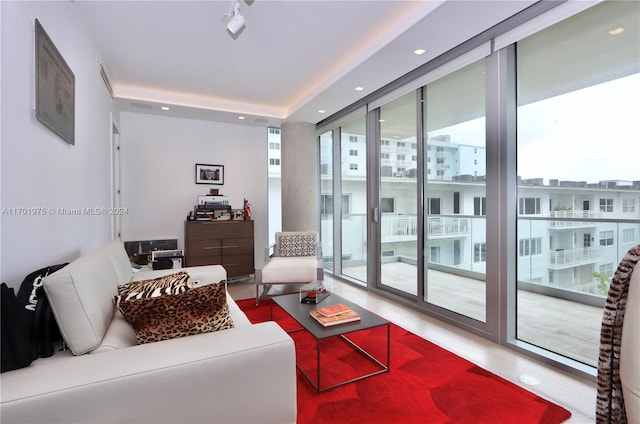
426,384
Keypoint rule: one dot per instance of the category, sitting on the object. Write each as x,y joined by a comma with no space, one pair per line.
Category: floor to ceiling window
274,184
326,198
353,243
398,200
577,203
542,122
455,191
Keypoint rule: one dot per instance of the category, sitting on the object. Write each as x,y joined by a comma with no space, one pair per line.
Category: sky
591,134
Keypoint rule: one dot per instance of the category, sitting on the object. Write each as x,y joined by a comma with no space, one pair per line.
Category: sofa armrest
202,378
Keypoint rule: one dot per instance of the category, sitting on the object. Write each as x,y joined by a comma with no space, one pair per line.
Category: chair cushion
302,269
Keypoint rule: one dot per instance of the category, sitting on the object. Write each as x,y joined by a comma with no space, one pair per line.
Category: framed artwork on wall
55,88
209,174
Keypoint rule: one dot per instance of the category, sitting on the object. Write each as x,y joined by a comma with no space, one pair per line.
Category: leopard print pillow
143,289
199,310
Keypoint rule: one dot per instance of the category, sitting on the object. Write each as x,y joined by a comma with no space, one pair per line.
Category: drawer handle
227,247
212,247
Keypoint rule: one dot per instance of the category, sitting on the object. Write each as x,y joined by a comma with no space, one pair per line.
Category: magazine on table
331,310
343,318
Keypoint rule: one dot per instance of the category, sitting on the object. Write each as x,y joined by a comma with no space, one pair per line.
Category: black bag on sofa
17,351
38,318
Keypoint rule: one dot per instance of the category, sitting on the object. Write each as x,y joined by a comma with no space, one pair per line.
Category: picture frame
209,174
387,205
54,88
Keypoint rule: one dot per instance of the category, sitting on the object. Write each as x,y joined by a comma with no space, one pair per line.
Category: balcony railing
572,257
575,214
446,227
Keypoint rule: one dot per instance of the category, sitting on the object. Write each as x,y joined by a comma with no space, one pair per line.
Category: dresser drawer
237,246
216,230
204,248
238,264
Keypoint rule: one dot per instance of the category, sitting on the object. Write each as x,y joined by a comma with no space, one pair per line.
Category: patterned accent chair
293,260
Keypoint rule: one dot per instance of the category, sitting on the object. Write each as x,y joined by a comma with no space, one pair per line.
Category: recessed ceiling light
419,51
240,117
164,108
321,111
358,88
616,31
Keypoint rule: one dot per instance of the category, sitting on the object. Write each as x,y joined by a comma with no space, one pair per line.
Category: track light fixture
236,22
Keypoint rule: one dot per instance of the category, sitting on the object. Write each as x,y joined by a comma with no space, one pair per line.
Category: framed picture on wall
209,174
55,88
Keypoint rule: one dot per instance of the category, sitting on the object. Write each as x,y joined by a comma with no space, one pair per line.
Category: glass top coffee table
345,332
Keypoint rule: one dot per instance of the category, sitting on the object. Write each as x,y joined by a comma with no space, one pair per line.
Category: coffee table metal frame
300,312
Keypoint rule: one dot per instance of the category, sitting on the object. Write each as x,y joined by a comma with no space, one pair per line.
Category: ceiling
292,59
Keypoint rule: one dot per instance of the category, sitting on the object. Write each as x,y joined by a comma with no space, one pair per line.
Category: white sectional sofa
245,374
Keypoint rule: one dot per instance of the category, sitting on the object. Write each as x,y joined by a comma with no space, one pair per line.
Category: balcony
587,215
448,227
397,228
567,258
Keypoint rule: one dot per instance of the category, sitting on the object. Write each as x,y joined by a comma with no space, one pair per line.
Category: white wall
39,169
158,157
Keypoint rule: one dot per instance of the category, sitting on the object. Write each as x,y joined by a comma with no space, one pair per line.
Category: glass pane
354,199
275,187
455,192
326,198
578,189
398,194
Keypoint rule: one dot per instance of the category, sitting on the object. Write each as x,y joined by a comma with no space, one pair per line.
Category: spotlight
236,23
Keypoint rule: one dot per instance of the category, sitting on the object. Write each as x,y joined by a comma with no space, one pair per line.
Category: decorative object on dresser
226,243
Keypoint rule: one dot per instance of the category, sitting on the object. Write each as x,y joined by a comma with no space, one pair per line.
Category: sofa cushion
168,284
81,295
200,310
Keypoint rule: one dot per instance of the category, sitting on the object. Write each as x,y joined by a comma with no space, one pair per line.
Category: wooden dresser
226,243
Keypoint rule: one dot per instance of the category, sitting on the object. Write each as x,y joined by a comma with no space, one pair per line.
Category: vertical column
299,167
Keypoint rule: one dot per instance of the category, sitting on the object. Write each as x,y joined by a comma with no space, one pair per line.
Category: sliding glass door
353,186
398,195
577,214
455,192
498,192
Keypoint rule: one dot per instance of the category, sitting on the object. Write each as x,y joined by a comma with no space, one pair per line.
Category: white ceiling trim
154,95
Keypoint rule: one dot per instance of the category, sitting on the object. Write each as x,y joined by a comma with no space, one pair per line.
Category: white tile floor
574,393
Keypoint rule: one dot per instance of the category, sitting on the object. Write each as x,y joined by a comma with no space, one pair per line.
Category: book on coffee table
331,310
343,318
